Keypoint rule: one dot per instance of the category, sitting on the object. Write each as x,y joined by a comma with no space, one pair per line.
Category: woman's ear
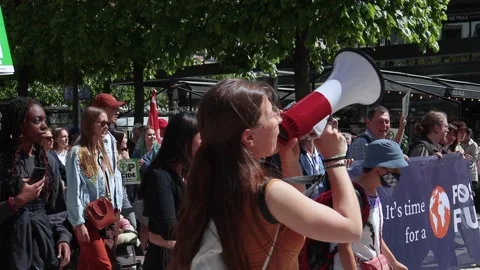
247,139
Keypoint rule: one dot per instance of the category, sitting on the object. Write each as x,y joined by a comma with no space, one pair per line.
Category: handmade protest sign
129,169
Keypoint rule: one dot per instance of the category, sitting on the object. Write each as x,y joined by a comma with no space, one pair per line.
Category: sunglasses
103,123
49,138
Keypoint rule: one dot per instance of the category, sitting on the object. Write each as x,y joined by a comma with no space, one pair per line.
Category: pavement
463,252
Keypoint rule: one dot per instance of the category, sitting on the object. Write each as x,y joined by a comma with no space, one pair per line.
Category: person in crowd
381,168
431,131
146,149
47,143
162,126
32,202
228,194
462,130
163,186
73,135
378,127
60,147
122,143
111,106
146,146
137,132
451,144
348,137
127,209
90,176
471,153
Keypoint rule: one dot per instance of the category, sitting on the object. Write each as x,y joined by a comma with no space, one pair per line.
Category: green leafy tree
34,53
255,33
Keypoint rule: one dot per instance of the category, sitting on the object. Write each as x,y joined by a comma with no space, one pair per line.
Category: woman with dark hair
162,186
121,138
31,230
127,209
451,144
258,221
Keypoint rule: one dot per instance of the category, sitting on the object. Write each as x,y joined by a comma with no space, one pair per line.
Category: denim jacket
81,190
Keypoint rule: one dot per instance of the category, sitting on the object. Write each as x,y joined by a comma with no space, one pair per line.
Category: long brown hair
88,144
56,133
224,176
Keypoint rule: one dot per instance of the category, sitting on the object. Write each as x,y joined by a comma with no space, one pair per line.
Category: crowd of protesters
207,198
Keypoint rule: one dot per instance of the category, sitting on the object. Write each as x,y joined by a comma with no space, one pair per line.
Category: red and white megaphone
355,79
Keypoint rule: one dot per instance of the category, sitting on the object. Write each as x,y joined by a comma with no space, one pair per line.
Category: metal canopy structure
195,87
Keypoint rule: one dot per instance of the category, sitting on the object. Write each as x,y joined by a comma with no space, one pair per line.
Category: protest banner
429,218
129,169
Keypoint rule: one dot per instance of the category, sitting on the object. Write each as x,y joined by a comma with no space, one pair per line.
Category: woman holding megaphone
236,217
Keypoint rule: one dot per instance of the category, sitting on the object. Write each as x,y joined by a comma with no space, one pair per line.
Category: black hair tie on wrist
336,158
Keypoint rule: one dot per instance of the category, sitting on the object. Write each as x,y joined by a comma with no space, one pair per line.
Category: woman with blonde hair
432,130
259,221
90,177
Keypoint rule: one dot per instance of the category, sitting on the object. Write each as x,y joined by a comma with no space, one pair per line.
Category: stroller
127,258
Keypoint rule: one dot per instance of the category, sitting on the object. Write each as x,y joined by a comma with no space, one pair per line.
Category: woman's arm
401,130
317,221
343,223
75,207
347,258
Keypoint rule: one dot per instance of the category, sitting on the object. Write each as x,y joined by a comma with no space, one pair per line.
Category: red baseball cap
162,123
106,100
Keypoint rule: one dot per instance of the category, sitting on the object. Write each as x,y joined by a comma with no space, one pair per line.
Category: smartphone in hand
37,175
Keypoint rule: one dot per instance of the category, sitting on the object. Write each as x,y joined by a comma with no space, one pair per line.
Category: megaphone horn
355,79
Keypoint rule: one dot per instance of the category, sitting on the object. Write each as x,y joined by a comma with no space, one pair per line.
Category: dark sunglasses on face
49,138
103,123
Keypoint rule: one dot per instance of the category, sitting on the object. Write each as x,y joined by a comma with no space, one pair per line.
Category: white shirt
62,156
369,245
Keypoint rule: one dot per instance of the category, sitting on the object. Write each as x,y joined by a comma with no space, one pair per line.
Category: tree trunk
171,103
138,69
301,66
106,86
23,79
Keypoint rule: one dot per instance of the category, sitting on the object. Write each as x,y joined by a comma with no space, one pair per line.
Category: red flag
153,115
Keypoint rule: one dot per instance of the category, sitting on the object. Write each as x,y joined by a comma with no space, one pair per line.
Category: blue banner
429,219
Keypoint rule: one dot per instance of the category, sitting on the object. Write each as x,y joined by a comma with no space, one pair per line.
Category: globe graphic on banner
439,212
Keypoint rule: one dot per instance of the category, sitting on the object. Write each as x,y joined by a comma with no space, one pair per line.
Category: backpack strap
364,136
270,252
364,208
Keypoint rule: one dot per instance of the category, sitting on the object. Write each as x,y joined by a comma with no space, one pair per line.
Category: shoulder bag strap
267,260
